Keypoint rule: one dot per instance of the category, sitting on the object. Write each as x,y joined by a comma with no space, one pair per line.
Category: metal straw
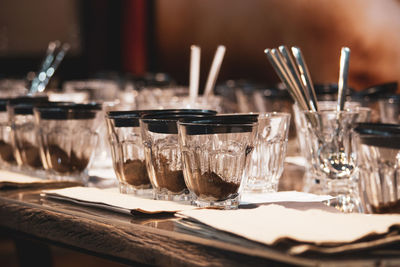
279,67
295,75
305,76
288,72
52,69
49,65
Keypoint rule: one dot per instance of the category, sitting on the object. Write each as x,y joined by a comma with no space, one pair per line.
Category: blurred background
134,37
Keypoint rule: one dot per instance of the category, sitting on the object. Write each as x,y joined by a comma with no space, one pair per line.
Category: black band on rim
28,100
379,134
56,113
225,119
23,105
3,104
130,118
125,120
218,124
72,105
166,123
377,91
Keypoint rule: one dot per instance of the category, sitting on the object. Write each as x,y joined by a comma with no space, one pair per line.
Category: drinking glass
23,131
216,152
127,152
175,97
389,107
369,97
67,140
7,158
10,88
102,91
267,159
163,156
378,156
330,149
312,183
96,90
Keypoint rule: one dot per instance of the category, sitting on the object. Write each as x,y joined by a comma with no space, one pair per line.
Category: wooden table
146,240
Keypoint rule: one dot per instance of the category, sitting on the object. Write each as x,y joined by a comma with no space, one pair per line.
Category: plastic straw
214,70
194,72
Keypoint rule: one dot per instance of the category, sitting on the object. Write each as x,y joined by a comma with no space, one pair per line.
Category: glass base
11,167
261,187
37,173
346,204
346,195
311,184
79,177
164,194
228,204
131,190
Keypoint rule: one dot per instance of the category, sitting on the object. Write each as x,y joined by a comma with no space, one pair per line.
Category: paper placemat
268,224
114,201
17,180
104,173
111,199
283,196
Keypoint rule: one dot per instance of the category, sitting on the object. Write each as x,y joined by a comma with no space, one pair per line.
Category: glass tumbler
11,88
163,155
332,157
312,183
369,97
96,89
268,157
175,97
102,91
23,131
389,108
216,152
7,159
378,155
67,140
127,151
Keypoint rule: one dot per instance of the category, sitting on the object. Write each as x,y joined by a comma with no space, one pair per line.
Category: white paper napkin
14,179
269,223
112,200
283,196
105,173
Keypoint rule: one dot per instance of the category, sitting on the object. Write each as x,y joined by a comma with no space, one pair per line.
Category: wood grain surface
126,239
151,240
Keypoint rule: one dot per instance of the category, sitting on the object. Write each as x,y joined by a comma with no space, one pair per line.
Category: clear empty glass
389,108
13,88
7,158
175,97
267,159
378,149
330,149
96,90
312,183
215,153
127,152
369,97
67,139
